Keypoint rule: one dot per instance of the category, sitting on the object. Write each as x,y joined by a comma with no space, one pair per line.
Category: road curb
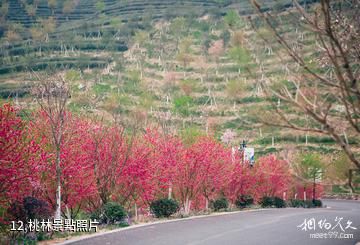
76,239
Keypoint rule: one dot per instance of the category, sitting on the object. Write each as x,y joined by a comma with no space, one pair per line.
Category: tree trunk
314,187
352,189
187,205
136,212
346,138
170,191
58,184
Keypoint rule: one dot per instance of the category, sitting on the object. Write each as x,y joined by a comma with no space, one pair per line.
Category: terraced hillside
39,34
185,65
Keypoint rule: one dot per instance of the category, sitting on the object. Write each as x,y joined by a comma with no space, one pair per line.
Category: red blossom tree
203,171
215,164
76,170
101,163
108,151
242,180
273,177
137,178
20,157
166,155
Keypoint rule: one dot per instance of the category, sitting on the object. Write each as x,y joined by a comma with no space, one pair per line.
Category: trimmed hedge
110,213
277,202
266,202
164,207
221,203
318,203
296,203
114,212
244,201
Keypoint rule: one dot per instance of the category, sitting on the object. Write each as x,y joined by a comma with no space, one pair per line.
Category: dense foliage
221,203
164,207
244,201
113,212
105,168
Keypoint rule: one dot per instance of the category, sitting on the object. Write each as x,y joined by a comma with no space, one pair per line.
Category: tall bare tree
323,86
52,93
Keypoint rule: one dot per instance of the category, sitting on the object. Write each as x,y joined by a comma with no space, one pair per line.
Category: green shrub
113,213
164,207
97,215
266,202
244,201
220,203
296,203
100,89
182,105
279,202
309,204
318,203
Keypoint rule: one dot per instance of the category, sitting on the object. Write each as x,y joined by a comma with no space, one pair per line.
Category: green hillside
156,62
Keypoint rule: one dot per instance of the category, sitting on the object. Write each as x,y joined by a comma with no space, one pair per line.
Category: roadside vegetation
127,112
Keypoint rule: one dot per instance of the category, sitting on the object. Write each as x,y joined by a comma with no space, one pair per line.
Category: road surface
268,227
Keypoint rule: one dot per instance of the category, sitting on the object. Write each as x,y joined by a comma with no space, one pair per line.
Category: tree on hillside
13,34
52,94
228,137
325,85
117,24
339,170
4,10
178,27
310,168
231,19
52,5
184,55
236,89
169,85
266,34
68,8
188,86
140,39
100,5
37,35
238,51
240,55
31,10
48,26
238,39
216,50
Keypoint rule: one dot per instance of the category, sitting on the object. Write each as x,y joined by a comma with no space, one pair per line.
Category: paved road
268,227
